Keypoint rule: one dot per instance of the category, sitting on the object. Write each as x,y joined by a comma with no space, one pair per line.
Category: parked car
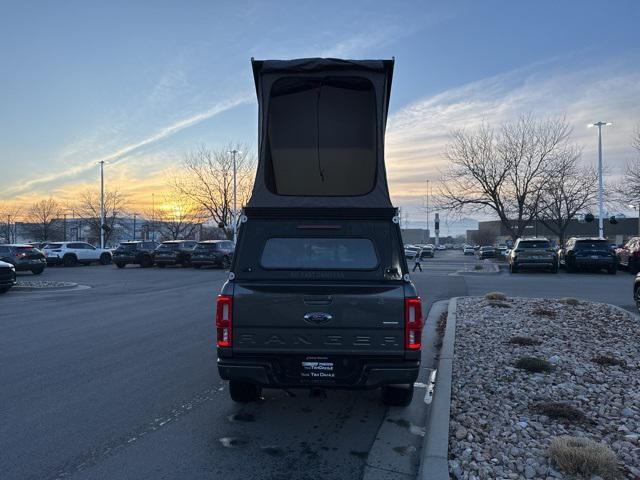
70,254
23,258
628,256
135,252
218,253
486,251
588,253
441,247
502,249
468,250
534,252
427,252
636,291
7,276
411,252
174,252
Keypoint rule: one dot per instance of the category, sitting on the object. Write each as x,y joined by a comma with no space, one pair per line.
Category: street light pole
428,232
101,203
600,181
234,152
134,225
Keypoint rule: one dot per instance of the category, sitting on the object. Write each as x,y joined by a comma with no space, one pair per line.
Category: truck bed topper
321,133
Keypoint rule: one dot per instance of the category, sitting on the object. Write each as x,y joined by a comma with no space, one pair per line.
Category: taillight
21,254
413,322
224,315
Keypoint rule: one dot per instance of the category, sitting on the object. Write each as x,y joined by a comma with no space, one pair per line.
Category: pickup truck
319,302
318,294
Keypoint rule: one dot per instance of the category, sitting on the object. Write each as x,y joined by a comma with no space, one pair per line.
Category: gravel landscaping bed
544,389
44,284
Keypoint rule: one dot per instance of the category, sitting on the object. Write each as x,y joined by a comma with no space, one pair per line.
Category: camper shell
319,293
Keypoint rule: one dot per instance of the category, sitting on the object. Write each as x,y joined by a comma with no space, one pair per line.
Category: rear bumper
542,262
22,266
371,374
205,261
124,259
166,261
592,262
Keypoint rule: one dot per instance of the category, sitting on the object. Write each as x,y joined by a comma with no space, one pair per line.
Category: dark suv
7,276
588,253
174,252
628,256
23,257
319,294
218,253
135,252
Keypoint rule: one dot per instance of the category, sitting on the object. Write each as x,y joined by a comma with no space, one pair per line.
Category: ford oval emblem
317,318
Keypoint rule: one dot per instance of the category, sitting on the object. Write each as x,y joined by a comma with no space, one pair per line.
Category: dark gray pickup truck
319,293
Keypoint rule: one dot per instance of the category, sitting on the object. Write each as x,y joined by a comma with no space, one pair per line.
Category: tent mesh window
322,136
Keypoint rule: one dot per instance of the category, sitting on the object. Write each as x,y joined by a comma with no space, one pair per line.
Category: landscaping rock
511,415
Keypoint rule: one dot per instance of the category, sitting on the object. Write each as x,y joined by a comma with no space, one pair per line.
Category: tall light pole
600,182
101,162
134,225
428,232
234,152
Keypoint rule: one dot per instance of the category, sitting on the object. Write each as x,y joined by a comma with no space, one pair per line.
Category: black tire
397,396
513,268
612,270
105,259
244,392
226,263
121,264
4,289
570,268
636,297
633,267
554,269
69,260
146,262
37,271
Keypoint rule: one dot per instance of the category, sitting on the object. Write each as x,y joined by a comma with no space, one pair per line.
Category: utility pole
153,217
234,152
101,162
65,227
600,181
428,232
134,225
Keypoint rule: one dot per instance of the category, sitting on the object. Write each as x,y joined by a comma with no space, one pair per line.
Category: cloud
124,152
417,134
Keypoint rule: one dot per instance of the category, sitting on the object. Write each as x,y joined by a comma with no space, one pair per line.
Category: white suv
72,253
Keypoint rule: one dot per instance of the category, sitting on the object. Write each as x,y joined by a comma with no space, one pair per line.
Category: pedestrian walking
417,263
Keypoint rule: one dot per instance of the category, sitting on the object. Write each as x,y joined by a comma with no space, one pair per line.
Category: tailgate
316,319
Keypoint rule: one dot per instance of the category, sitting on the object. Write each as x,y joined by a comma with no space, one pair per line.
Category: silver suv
533,252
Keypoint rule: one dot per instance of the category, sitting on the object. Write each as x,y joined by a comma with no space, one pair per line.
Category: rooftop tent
321,133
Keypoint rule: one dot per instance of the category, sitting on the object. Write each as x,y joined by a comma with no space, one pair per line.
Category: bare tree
628,190
88,208
178,217
9,214
502,171
568,191
207,181
483,237
43,219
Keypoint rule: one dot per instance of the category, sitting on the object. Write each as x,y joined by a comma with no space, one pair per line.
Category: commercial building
618,233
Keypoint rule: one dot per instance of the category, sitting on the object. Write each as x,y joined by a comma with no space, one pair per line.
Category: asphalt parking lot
119,380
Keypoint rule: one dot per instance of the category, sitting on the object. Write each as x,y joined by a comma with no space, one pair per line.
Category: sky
140,84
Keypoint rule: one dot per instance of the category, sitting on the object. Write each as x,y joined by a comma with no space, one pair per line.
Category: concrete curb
434,459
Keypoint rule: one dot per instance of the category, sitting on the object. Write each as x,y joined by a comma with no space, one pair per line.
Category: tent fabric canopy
321,133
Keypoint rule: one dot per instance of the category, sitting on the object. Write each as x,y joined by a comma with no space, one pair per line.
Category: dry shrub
477,267
524,341
608,361
442,323
581,456
500,304
544,312
558,411
496,296
534,365
569,301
